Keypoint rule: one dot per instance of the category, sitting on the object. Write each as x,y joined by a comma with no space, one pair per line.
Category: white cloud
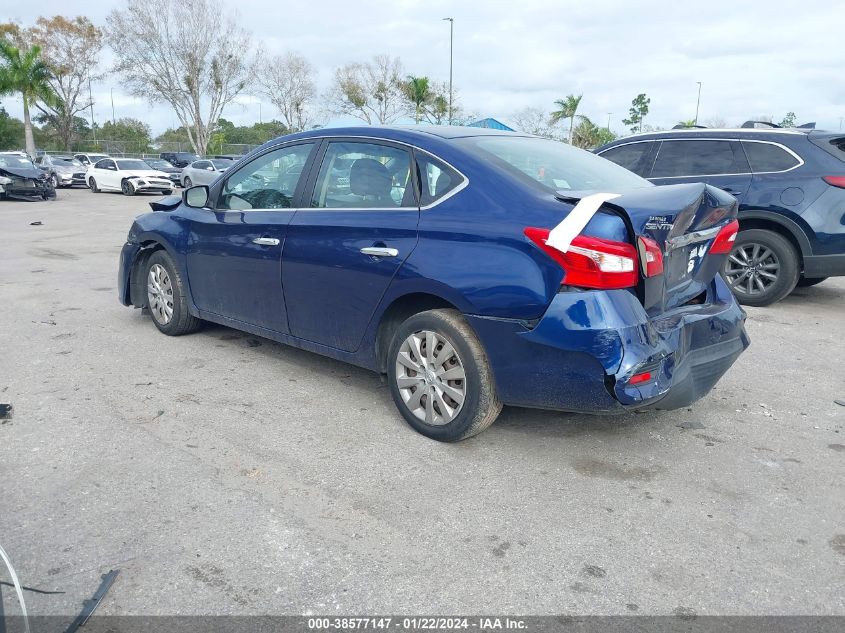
751,57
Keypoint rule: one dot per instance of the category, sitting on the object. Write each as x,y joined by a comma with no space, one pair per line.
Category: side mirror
195,197
209,168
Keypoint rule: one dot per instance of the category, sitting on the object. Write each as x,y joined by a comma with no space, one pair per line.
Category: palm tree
568,108
418,91
588,135
23,71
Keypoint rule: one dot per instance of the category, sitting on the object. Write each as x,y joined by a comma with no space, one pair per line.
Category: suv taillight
725,239
835,181
591,262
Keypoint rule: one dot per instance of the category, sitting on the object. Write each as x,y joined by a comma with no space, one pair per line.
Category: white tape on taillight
562,235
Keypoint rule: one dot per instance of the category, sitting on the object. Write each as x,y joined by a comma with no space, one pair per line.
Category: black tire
188,182
54,180
776,268
127,188
804,282
480,406
181,321
92,184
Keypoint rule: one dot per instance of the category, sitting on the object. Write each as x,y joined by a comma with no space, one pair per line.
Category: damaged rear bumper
581,355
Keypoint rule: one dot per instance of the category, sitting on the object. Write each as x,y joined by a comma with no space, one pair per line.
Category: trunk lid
683,220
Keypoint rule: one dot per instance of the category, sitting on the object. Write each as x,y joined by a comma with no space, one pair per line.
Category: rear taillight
835,181
591,262
651,256
725,239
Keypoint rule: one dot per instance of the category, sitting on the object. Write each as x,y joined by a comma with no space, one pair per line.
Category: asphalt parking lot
227,474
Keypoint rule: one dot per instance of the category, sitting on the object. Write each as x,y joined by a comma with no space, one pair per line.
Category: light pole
451,44
608,121
697,102
112,106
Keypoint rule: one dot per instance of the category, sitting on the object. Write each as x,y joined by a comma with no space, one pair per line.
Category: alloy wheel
431,378
752,268
160,294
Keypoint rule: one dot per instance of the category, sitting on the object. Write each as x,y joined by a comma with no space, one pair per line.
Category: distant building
493,124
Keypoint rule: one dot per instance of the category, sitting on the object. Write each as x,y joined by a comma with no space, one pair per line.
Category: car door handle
266,241
379,251
733,192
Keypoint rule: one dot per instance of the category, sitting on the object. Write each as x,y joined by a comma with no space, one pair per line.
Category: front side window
266,182
552,165
765,157
697,158
104,164
357,175
436,179
629,156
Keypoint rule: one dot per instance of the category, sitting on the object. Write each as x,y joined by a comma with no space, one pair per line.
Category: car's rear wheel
440,378
804,282
127,188
93,185
167,300
762,267
188,182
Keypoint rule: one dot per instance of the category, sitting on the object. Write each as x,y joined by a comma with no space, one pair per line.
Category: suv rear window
834,145
766,157
696,158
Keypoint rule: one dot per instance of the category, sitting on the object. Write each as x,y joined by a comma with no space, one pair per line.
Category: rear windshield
553,165
834,145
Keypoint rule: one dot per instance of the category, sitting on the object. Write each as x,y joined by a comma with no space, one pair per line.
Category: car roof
402,132
720,133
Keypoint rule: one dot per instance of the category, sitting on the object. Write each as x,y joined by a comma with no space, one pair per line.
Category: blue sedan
475,268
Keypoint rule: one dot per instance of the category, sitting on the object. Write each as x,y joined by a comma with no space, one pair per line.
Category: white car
204,171
129,175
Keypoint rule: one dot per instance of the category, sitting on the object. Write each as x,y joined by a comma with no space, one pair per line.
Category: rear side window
765,157
357,175
697,158
834,146
630,156
436,179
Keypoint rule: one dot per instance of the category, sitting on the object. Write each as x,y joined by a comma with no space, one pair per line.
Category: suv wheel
762,268
440,378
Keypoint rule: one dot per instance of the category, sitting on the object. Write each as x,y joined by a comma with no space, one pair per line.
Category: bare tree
187,54
370,91
70,48
288,82
534,121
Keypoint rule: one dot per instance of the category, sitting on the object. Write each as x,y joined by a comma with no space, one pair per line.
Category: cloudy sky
753,57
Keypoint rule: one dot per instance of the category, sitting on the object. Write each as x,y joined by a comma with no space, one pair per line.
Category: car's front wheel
188,182
440,378
93,185
127,188
54,180
762,267
167,300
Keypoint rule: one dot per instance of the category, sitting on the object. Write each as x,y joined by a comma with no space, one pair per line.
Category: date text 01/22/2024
416,623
